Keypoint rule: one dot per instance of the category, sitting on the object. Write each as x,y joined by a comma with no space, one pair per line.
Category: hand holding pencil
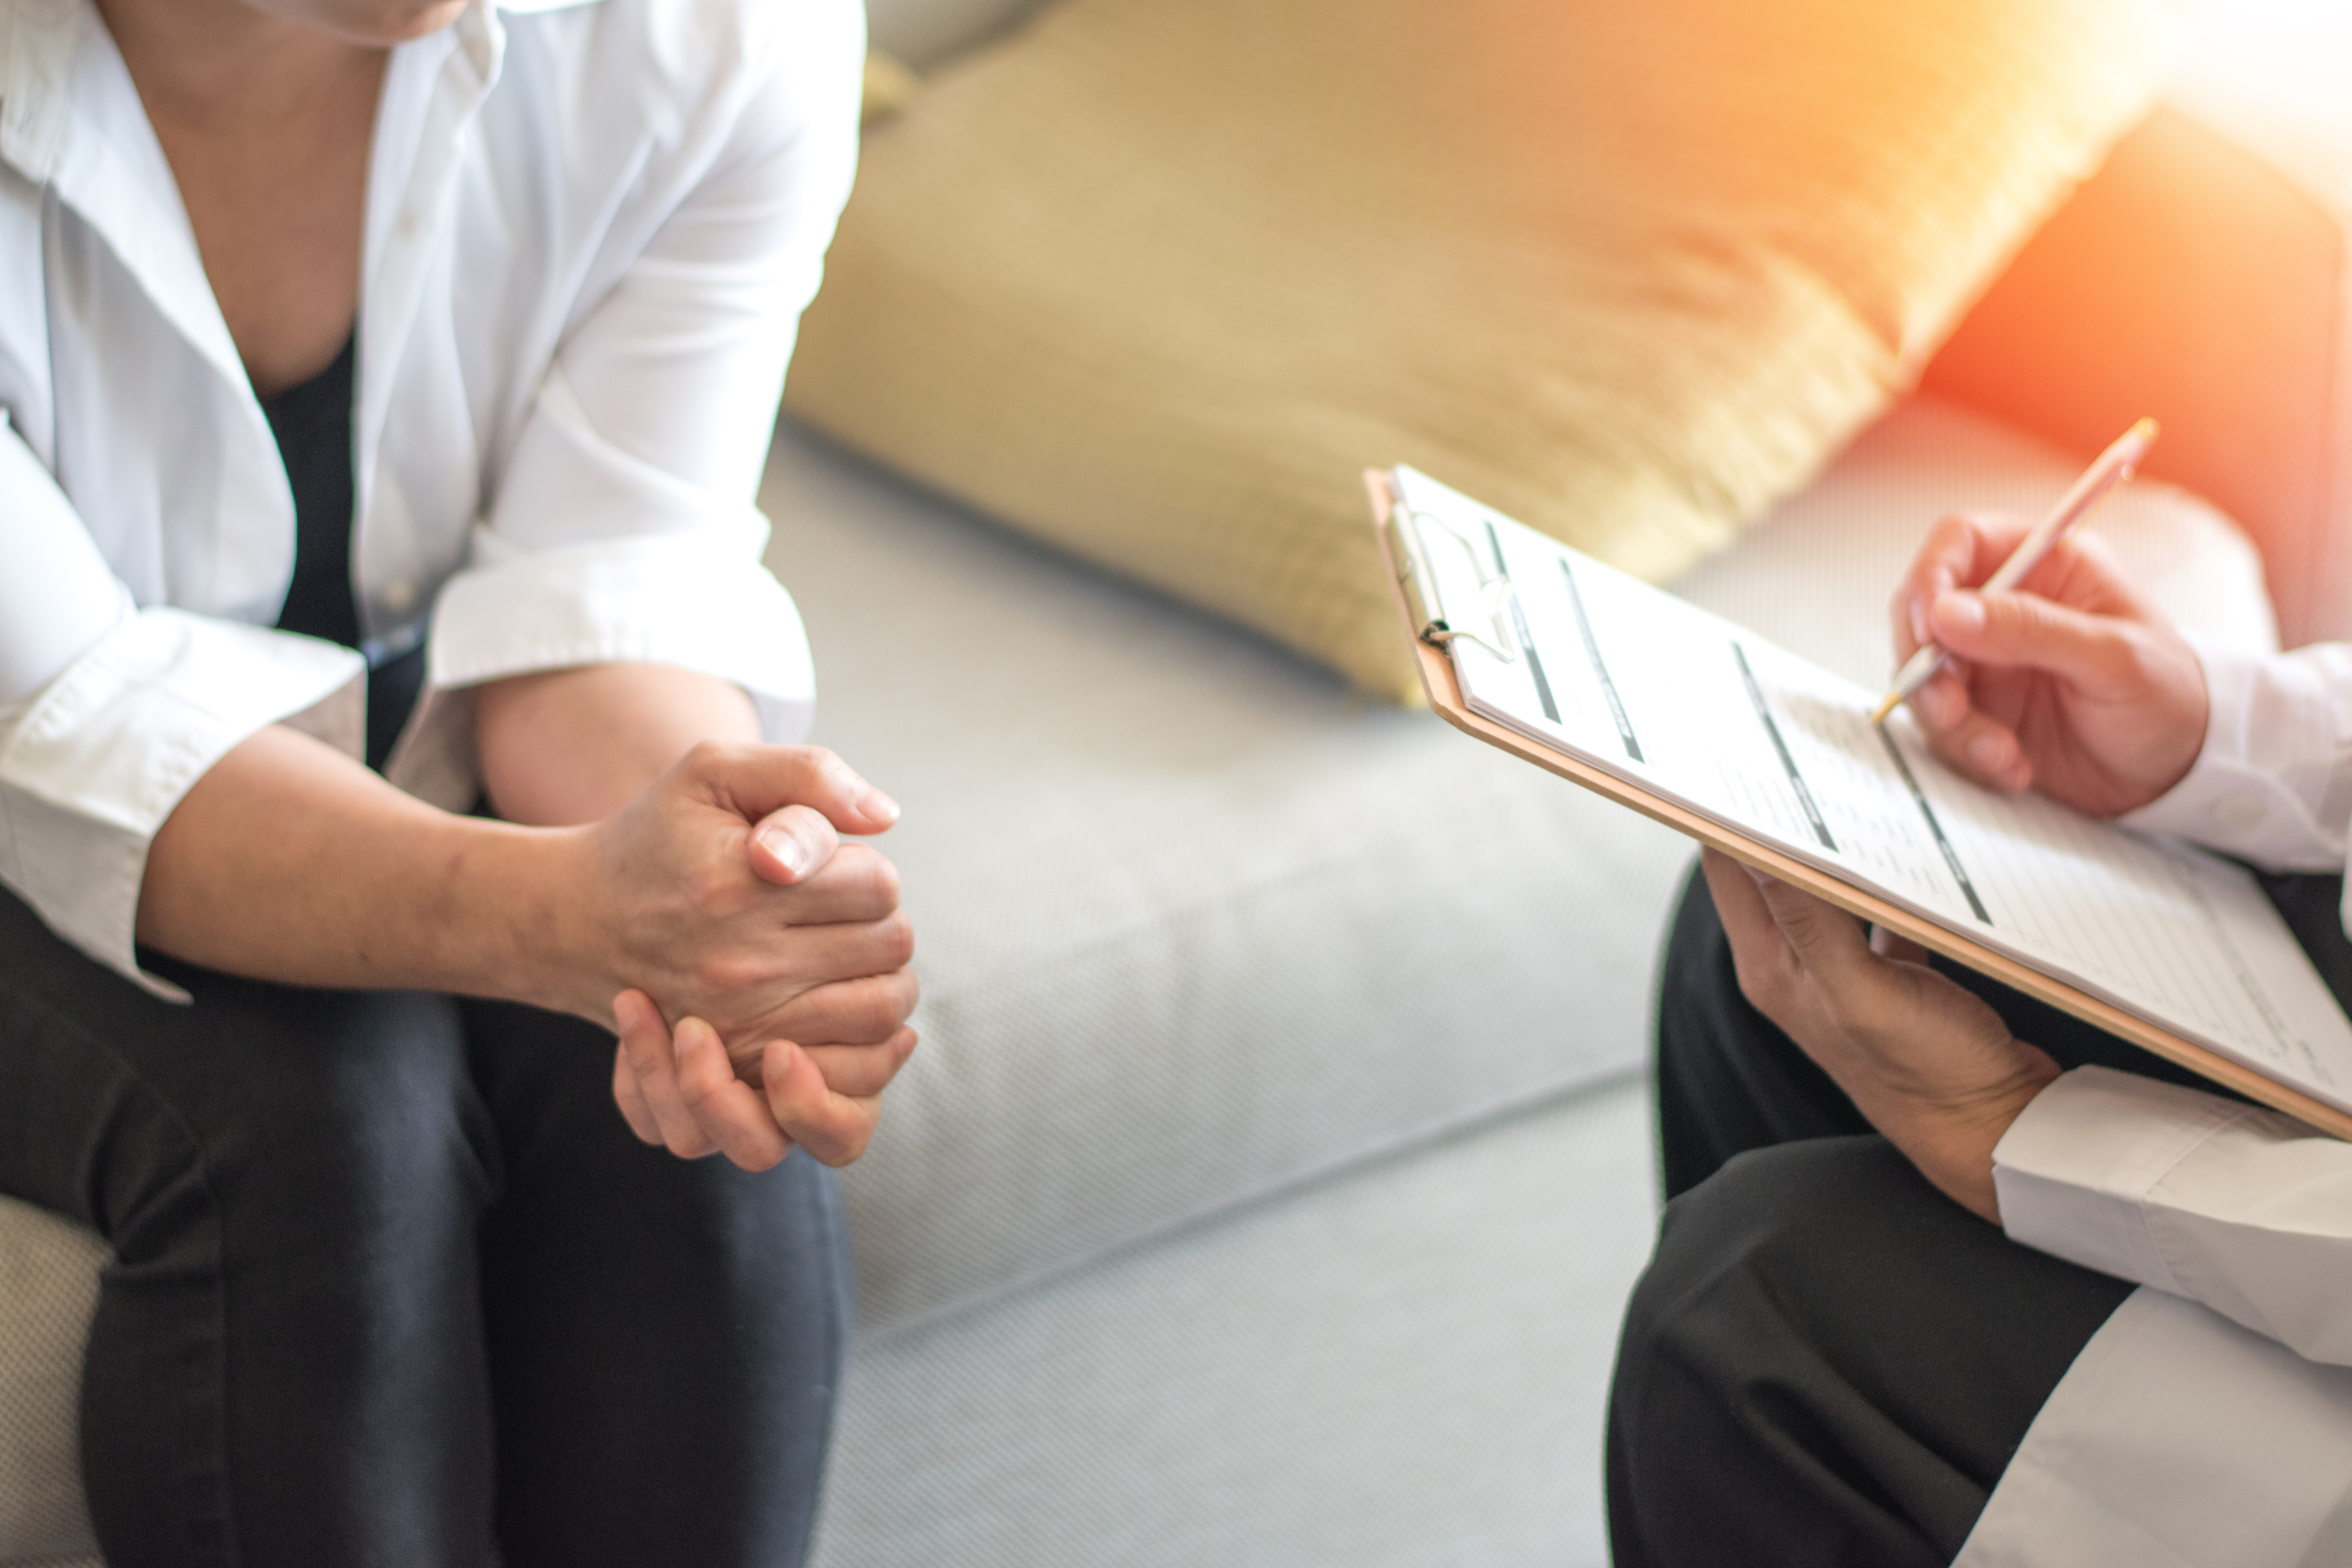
2112,468
2056,675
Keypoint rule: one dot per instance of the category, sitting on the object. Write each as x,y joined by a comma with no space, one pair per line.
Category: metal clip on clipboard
1426,597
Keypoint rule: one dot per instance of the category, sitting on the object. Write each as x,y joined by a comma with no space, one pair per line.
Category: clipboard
1431,628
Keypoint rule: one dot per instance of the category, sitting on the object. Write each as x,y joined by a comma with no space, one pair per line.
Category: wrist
1951,1141
523,924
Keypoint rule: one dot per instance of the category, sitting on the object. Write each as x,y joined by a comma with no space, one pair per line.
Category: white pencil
2115,465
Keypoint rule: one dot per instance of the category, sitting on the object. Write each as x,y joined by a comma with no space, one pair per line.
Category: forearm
571,746
289,861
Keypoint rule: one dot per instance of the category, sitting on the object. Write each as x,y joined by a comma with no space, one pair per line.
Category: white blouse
2209,1423
591,228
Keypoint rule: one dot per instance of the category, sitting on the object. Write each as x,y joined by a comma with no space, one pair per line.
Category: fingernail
878,807
1989,752
1963,612
1919,632
787,848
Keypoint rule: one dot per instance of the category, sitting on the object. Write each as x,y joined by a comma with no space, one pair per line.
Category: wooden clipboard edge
1444,695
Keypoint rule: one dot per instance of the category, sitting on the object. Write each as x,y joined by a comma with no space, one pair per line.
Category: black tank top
312,423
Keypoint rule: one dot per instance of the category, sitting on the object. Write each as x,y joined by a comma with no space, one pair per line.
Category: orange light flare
2278,75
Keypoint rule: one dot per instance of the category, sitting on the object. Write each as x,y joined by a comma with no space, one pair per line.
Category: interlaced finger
755,780
726,1111
863,1072
860,1012
833,1128
855,886
646,1040
631,1099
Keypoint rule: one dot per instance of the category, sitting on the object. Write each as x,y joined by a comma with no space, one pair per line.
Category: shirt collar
38,42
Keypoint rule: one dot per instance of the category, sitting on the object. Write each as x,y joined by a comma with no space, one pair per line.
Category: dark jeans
1829,1361
394,1284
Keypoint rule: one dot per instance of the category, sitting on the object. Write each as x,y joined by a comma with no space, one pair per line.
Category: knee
1780,1258
1782,1221
1722,1343
359,1109
1753,1270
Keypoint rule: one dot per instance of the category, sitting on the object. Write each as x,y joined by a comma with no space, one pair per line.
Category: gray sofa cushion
1191,921
1403,1367
48,1283
1194,924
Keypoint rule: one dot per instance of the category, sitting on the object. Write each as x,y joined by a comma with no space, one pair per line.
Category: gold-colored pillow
1153,279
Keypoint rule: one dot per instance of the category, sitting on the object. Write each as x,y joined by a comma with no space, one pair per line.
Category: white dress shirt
2208,1424
591,228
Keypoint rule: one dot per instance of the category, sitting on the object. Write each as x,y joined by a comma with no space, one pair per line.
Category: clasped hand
2073,685
760,962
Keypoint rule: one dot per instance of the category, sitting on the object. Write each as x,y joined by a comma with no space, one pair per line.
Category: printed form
1716,719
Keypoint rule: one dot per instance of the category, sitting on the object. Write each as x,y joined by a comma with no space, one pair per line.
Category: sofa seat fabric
1192,922
48,1285
1195,926
1402,1367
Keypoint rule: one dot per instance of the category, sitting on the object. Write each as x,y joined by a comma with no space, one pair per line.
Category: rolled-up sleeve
2241,1209
623,527
109,713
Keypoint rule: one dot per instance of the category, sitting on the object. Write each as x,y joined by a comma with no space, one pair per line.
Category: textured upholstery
1198,930
1150,281
48,1282
1400,1368
1191,921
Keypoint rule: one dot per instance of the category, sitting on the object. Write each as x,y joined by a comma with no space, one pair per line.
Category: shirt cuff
2073,1173
2238,797
91,766
699,603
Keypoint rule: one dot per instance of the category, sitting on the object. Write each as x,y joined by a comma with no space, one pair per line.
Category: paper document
1716,719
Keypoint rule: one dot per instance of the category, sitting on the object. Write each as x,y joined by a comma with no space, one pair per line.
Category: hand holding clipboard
1732,741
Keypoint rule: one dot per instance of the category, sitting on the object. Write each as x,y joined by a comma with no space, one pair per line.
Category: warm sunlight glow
2278,75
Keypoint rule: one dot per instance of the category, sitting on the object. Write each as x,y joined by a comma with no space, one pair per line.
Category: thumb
1994,630
793,844
756,781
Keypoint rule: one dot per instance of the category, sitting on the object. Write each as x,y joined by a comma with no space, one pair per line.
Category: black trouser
1829,1361
394,1284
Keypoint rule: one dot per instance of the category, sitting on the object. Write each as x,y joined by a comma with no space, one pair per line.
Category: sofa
1278,1156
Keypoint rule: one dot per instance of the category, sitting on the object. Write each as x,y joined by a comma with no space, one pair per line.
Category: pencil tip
1886,707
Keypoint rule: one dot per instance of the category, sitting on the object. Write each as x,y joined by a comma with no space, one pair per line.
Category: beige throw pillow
1153,279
